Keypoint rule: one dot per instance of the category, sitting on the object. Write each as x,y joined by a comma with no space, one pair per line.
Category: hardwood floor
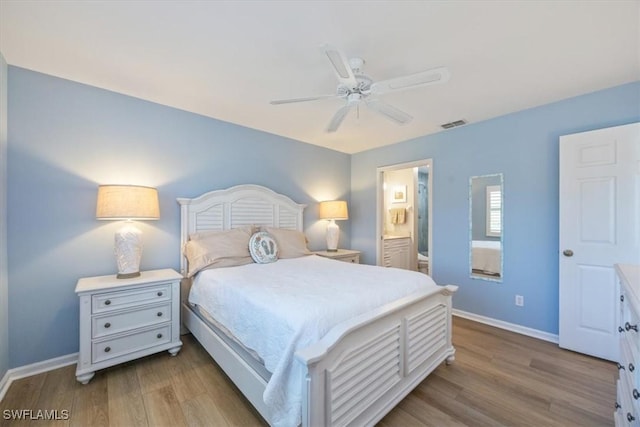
498,378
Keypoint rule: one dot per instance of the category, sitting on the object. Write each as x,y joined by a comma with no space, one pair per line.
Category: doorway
404,216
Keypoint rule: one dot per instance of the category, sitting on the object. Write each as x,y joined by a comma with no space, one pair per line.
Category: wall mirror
486,210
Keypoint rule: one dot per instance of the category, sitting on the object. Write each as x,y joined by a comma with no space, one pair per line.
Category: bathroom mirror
486,212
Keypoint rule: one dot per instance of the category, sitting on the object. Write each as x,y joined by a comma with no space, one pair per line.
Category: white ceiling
228,59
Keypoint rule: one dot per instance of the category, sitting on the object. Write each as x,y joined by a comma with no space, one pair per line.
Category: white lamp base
128,250
333,235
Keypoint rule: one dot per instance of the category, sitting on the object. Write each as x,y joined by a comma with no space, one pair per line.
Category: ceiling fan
357,88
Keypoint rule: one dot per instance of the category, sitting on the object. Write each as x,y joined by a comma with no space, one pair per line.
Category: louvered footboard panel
363,375
426,335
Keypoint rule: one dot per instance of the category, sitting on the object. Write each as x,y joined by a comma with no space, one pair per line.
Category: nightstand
346,255
124,319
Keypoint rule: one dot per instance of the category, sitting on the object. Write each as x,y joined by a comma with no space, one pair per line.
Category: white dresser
628,386
124,319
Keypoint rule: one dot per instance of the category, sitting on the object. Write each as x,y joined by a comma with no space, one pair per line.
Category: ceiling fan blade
341,66
424,78
389,111
289,101
338,117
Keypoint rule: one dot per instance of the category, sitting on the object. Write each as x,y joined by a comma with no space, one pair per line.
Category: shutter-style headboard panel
236,207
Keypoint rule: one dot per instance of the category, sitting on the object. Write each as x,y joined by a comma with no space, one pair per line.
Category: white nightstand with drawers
346,255
124,319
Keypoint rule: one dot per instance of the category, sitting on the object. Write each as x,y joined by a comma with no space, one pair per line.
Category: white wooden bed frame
364,366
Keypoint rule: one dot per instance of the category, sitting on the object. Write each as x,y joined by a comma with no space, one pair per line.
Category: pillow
263,248
202,234
214,249
291,243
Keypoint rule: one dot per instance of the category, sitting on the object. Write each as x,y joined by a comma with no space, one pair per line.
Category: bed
356,370
486,257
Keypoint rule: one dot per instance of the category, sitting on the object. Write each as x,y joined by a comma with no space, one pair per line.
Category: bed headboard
236,207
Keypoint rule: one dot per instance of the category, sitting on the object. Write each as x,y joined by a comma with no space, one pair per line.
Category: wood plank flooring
499,378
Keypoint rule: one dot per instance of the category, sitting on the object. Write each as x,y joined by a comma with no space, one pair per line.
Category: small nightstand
124,319
346,255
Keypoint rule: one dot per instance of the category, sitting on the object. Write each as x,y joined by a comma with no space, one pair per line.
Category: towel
398,215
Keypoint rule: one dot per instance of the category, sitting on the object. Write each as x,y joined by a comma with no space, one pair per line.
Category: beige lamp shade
334,209
119,202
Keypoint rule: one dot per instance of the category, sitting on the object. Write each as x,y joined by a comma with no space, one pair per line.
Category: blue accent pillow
263,248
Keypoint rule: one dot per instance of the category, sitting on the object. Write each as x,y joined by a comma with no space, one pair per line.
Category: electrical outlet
519,300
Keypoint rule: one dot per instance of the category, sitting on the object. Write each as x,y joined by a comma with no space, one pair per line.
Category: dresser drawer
110,324
628,410
631,326
109,349
629,372
101,303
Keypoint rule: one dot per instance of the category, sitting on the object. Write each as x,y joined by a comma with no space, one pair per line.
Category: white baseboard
4,385
34,369
523,330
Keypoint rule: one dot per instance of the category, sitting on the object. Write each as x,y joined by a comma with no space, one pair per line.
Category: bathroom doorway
404,218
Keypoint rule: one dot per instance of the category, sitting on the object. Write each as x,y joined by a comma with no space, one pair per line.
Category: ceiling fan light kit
357,88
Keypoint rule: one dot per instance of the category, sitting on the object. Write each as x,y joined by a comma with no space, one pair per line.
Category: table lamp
333,210
127,202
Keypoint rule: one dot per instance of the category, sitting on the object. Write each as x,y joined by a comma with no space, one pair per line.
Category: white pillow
263,248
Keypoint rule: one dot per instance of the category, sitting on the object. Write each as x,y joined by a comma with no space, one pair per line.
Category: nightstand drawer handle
621,298
160,293
107,349
159,336
107,325
630,417
620,329
629,326
631,367
159,314
620,367
636,395
107,302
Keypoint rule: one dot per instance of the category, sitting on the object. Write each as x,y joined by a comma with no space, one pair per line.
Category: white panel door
599,226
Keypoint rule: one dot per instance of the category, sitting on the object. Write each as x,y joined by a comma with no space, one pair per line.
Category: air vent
453,124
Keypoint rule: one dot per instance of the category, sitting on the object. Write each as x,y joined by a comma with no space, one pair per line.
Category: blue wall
66,138
524,147
4,284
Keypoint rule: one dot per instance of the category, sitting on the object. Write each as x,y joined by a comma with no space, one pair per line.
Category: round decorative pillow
263,248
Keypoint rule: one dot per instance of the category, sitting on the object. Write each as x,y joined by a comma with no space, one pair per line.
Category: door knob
567,252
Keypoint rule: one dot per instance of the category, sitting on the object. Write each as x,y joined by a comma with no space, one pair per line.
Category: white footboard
364,367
